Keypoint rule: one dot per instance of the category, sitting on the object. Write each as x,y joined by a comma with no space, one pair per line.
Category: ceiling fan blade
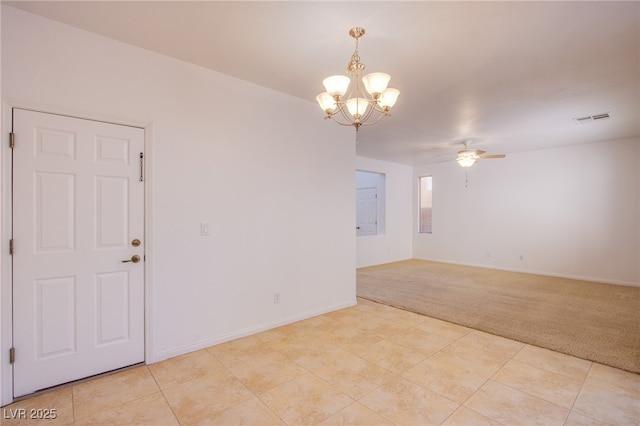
491,156
471,152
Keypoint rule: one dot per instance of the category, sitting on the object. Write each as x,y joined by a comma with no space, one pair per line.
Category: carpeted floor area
594,321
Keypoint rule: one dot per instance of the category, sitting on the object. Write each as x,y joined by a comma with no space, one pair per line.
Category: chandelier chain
354,64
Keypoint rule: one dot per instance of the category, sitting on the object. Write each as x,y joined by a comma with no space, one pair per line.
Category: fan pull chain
466,178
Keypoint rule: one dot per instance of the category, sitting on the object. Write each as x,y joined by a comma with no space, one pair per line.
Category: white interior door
78,206
367,211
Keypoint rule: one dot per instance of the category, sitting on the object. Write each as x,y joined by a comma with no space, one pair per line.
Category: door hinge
12,355
141,167
11,246
12,140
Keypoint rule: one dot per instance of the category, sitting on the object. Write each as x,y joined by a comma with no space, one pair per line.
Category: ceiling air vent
590,118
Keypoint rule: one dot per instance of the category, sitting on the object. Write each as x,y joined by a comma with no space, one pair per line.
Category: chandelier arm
370,109
362,121
353,91
380,109
341,107
341,123
345,114
360,90
374,121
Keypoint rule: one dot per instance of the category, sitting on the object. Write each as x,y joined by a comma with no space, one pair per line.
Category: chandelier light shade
376,82
357,100
336,85
357,107
389,98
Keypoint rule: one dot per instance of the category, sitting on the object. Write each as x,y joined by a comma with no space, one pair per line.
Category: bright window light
426,204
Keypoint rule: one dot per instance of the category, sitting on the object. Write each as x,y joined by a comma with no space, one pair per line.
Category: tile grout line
353,352
398,376
525,392
484,383
256,395
570,409
436,352
164,396
586,377
107,375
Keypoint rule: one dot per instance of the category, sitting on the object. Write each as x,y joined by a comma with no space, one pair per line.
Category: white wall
395,243
280,206
571,211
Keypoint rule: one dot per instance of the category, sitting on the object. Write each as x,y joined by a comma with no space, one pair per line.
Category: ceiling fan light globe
466,161
336,85
376,82
389,97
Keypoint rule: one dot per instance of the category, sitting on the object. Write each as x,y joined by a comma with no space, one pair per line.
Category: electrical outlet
522,257
276,297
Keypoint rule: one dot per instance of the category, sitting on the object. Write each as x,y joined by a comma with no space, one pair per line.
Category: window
426,189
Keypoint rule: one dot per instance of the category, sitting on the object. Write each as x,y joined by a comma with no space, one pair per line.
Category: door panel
112,316
112,212
78,204
54,212
367,211
56,316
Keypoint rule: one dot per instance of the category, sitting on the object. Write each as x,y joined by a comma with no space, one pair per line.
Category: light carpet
593,321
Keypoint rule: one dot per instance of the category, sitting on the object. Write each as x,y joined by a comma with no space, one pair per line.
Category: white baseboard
544,273
201,344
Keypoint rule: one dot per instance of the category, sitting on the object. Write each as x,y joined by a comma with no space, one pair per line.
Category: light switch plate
204,229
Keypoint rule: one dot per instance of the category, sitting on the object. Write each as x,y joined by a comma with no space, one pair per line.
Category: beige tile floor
366,365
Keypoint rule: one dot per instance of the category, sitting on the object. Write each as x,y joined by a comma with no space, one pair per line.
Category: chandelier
346,100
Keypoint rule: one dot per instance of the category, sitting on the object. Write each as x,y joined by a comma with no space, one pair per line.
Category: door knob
135,259
135,243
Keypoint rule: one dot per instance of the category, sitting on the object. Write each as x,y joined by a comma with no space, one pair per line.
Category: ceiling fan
467,157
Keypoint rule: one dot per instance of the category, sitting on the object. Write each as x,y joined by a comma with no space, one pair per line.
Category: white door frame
6,273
